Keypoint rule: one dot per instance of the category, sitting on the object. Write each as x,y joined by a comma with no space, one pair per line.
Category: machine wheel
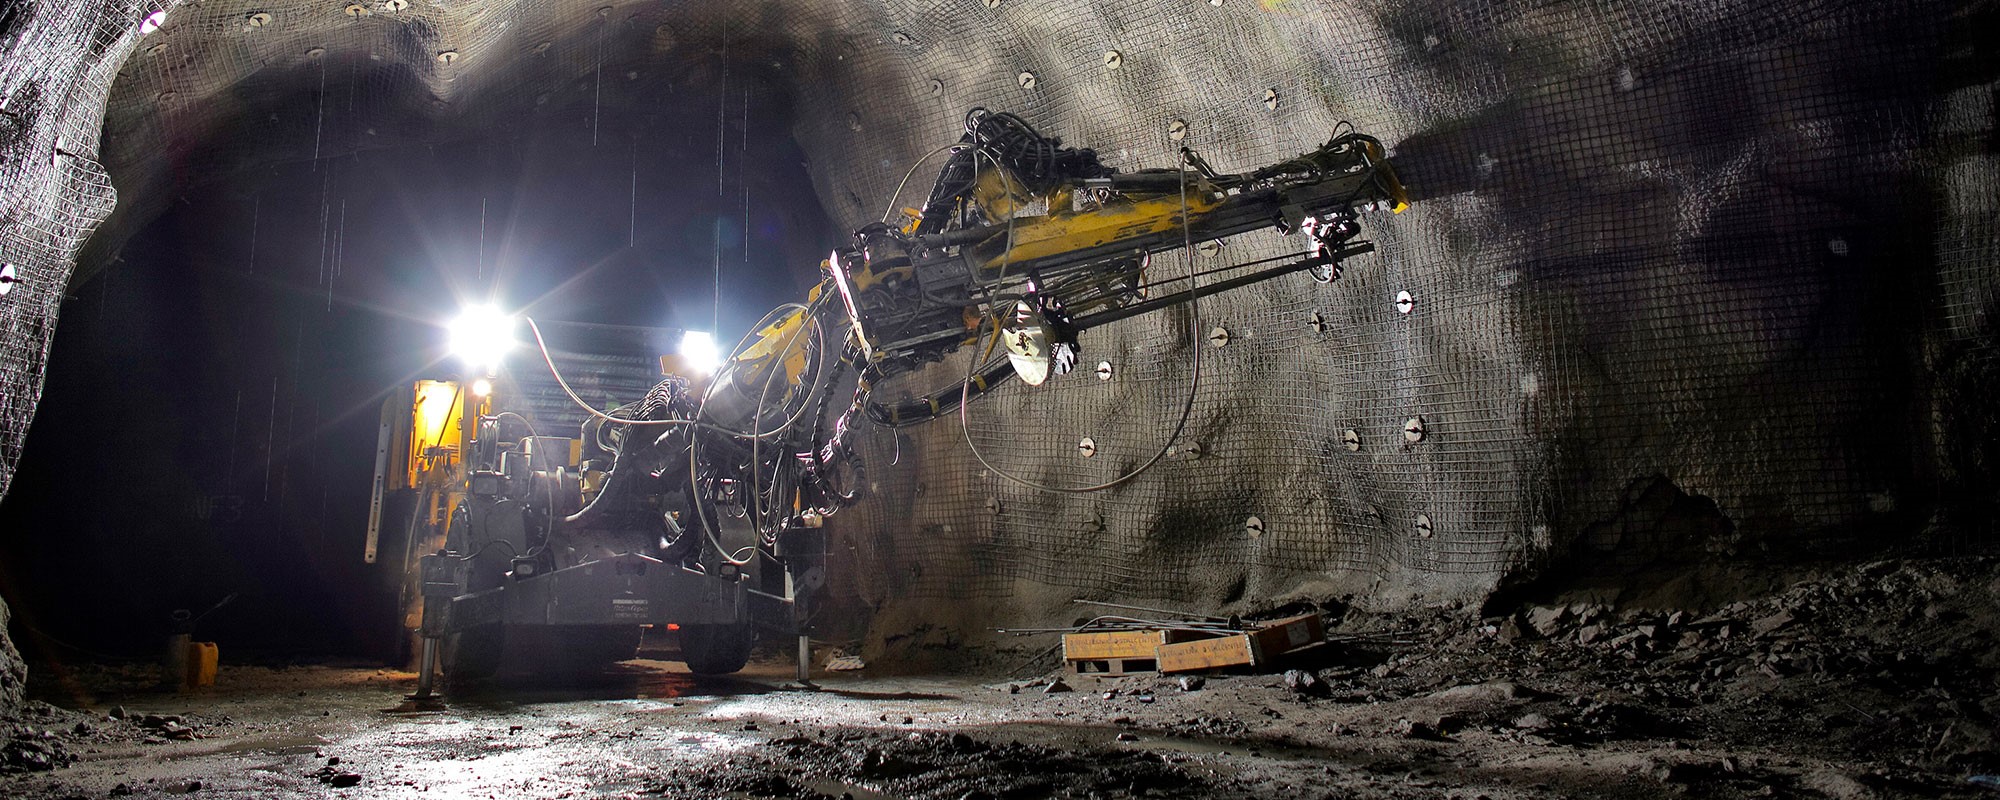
716,649
471,656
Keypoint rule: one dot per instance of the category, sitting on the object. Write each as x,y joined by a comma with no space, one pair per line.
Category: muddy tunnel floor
1869,681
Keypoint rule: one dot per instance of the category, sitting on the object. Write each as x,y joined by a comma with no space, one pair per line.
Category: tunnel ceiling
1699,280
225,87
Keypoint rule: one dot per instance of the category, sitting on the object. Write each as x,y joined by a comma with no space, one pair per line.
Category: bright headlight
481,336
698,352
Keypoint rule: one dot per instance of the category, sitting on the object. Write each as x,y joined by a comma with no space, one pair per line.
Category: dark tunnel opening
239,346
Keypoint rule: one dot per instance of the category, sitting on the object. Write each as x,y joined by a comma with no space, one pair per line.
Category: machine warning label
628,608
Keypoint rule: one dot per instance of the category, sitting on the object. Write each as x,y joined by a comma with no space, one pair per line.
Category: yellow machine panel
437,428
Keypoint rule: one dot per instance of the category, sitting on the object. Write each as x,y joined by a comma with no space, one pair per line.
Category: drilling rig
707,496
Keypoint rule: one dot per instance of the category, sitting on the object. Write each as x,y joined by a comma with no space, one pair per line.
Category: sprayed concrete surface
1864,681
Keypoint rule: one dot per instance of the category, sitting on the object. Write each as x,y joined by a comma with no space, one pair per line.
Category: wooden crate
1099,645
1292,633
1245,649
1120,652
1229,651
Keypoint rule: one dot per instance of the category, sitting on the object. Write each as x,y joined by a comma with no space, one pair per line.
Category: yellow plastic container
202,659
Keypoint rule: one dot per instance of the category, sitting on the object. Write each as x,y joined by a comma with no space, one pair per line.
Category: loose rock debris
944,766
1861,682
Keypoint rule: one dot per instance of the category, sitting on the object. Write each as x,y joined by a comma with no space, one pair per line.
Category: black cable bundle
1036,162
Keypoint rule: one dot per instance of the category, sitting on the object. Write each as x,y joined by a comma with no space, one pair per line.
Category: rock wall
13,671
1702,281
57,62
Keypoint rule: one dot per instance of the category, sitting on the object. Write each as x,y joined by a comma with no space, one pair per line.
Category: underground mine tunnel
998,399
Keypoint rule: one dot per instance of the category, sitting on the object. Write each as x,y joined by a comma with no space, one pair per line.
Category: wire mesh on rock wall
1688,280
1665,295
57,61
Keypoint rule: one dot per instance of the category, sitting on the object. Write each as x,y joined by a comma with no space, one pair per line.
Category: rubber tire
470,657
716,649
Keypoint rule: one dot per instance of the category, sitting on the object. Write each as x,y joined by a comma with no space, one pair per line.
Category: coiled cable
1187,409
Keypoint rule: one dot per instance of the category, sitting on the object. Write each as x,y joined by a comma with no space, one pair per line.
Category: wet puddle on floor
834,788
272,745
285,748
716,743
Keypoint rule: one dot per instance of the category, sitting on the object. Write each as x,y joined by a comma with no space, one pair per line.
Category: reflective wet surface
649,729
